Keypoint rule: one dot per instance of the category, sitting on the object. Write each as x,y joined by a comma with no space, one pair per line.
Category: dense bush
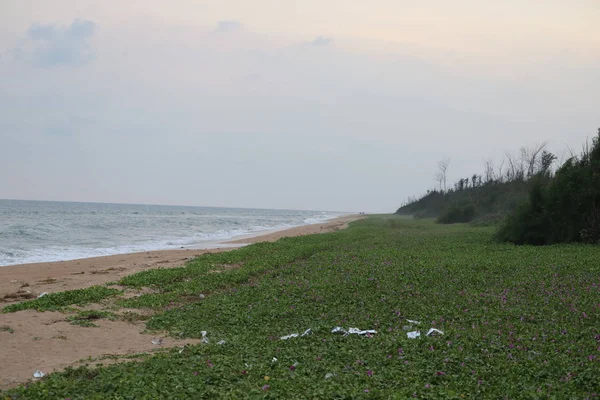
564,209
457,213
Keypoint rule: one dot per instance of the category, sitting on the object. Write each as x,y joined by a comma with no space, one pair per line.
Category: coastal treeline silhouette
534,198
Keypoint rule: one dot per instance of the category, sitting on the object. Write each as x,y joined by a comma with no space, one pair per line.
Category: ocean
40,231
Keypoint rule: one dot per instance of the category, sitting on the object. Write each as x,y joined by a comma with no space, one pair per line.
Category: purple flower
265,388
370,373
366,390
427,386
195,373
440,373
292,367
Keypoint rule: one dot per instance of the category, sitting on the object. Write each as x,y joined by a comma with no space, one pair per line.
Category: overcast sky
327,105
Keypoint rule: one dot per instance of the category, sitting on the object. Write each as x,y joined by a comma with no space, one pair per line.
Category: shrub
457,213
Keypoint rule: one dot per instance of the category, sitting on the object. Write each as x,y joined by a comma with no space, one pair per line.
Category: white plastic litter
352,331
221,342
413,322
274,360
204,338
42,294
434,332
413,335
182,349
201,296
157,341
329,375
356,331
38,374
294,335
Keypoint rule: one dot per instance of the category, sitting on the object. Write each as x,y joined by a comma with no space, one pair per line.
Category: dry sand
46,341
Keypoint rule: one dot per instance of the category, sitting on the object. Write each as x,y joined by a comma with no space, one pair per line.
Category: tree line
536,198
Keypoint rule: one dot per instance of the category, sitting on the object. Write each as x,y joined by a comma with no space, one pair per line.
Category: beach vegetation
517,321
59,300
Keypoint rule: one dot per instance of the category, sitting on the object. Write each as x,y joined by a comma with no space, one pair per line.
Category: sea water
39,231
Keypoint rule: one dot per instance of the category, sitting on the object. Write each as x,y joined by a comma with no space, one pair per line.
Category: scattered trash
329,375
413,322
413,335
204,338
38,374
182,349
43,294
434,332
221,342
352,331
157,341
356,331
292,335
201,296
274,360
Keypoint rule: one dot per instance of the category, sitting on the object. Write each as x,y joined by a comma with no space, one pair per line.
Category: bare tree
499,174
530,158
489,170
513,167
441,177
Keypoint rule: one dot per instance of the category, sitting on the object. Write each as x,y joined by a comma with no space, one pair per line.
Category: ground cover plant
518,321
60,300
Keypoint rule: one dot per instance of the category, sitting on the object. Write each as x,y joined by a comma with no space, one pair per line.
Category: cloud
320,41
49,45
228,26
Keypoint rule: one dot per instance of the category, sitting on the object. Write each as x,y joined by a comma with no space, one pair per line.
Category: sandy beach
46,341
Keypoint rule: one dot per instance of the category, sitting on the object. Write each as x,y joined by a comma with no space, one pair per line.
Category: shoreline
25,281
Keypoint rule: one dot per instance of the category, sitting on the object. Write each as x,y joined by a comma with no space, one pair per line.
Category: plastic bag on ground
291,335
38,374
413,335
204,338
353,331
434,332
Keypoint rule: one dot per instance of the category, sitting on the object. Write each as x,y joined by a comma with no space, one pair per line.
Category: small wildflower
370,373
292,368
195,373
265,388
427,386
366,390
267,378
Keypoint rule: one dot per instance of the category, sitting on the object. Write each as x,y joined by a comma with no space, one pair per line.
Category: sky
320,105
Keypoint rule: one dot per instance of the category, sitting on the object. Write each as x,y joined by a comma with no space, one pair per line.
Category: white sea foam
52,231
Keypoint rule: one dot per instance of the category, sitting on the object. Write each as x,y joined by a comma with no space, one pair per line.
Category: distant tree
545,163
441,176
489,170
